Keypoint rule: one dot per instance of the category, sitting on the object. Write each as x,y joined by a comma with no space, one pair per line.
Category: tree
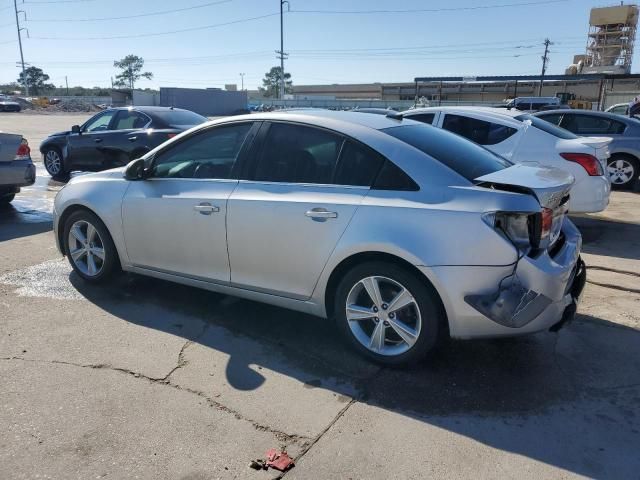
131,67
271,83
35,79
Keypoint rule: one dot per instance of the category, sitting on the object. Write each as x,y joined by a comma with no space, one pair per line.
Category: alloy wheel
383,315
621,171
53,162
86,248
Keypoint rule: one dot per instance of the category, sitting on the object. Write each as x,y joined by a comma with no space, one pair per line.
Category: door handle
133,139
320,214
98,140
206,208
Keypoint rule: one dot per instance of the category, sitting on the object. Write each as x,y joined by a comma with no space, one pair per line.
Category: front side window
479,131
298,154
620,110
100,122
207,154
464,157
130,119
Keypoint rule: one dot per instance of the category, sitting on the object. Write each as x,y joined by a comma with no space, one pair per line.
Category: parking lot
148,379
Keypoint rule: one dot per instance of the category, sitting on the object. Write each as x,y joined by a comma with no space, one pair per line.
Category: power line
170,32
432,10
126,17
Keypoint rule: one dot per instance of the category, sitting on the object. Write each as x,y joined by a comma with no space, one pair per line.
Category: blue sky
460,39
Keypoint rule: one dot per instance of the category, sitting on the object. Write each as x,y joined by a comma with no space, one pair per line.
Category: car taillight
526,230
24,152
171,135
590,163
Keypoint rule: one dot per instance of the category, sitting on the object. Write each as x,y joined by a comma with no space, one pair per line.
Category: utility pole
67,82
545,60
242,81
24,75
281,54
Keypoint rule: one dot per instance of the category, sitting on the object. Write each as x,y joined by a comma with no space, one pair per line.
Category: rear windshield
547,127
459,154
180,118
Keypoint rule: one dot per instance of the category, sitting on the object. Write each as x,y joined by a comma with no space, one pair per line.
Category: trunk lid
9,144
550,186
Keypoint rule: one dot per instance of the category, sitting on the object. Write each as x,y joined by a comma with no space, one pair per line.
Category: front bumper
558,279
16,174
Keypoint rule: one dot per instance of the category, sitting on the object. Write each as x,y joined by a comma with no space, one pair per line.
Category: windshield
547,127
180,118
459,154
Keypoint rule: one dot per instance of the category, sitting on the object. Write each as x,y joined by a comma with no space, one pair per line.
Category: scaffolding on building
611,38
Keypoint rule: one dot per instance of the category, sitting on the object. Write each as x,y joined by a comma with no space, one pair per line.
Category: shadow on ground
532,396
16,222
609,238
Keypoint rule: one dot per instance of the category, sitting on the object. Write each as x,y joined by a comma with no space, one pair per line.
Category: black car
113,137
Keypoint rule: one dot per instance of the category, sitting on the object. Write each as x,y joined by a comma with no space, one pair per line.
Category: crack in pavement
283,437
181,360
613,270
615,287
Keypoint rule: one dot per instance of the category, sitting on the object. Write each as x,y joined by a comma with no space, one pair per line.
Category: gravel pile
73,105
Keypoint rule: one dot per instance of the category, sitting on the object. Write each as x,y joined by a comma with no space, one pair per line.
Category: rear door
286,218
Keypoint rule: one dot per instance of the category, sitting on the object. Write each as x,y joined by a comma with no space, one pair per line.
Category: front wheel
53,162
388,313
623,172
89,247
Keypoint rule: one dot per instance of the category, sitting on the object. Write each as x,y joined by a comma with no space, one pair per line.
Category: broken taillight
23,152
590,163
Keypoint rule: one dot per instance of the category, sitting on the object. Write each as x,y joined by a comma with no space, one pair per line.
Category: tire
84,257
7,199
422,317
53,162
623,172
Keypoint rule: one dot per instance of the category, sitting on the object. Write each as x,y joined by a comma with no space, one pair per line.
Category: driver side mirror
75,129
135,170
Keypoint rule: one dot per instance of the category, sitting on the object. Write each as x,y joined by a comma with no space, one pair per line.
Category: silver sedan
403,233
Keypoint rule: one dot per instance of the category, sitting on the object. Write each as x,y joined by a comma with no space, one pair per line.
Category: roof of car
151,109
370,120
504,114
594,113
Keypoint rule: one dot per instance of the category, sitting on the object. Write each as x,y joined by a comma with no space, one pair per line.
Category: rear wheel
89,247
387,313
623,172
53,162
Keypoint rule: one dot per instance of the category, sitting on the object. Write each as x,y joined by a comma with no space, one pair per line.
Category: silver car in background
16,167
401,232
623,165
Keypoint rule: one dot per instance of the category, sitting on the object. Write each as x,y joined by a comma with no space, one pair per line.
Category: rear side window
423,117
547,127
479,131
553,118
298,154
592,125
130,119
357,166
180,118
391,177
464,157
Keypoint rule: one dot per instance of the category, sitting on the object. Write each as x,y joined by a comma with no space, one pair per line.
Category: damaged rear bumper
485,301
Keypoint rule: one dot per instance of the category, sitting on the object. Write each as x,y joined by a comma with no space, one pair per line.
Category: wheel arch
70,210
351,261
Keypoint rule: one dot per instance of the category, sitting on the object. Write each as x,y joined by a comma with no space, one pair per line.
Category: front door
175,221
284,222
86,148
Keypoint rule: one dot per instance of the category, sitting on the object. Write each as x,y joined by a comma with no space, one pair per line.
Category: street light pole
545,60
242,81
24,75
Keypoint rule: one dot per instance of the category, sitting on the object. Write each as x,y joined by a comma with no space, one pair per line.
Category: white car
523,138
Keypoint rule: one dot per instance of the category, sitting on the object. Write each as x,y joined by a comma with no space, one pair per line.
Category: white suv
523,138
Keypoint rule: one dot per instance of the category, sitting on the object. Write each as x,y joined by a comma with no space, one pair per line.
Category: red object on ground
279,460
